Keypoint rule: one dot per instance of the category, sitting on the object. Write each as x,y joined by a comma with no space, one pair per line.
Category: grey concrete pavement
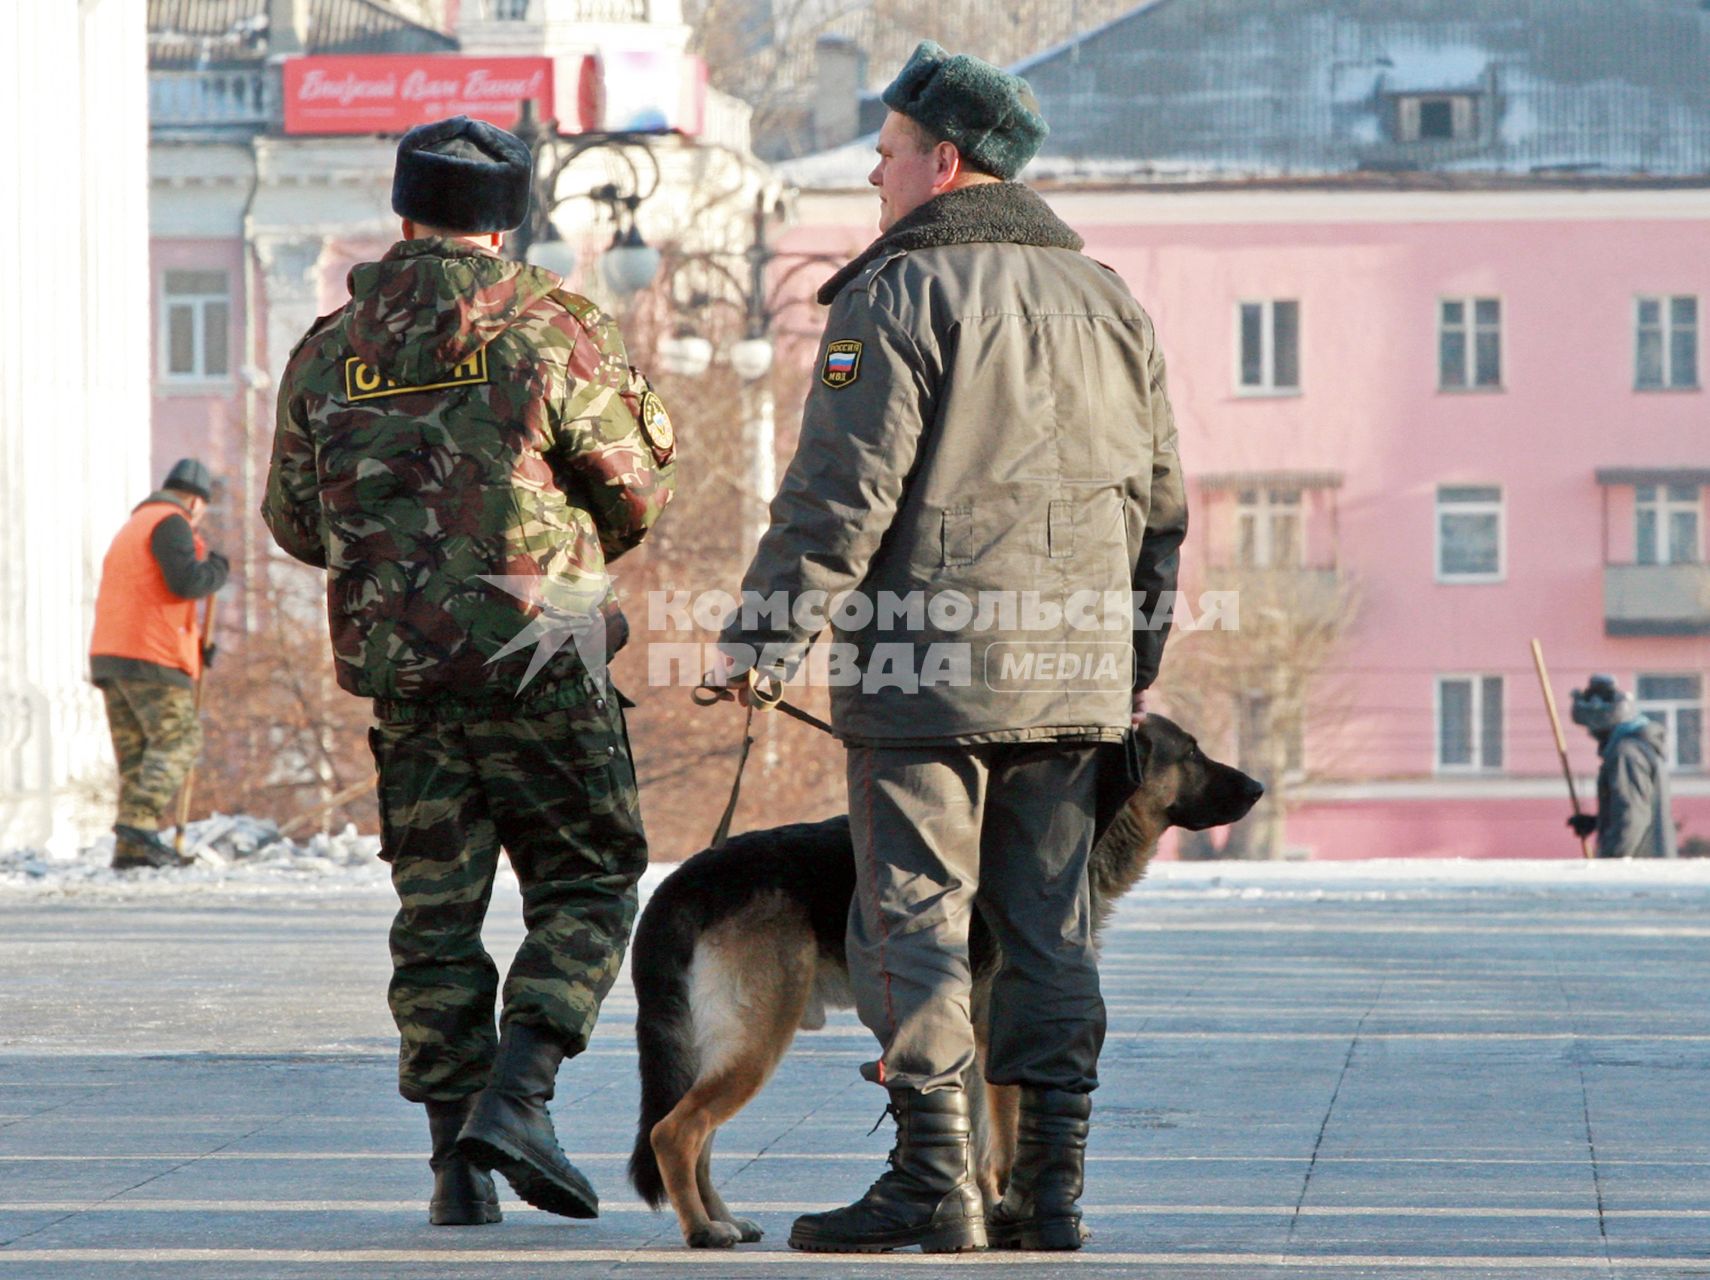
1306,1075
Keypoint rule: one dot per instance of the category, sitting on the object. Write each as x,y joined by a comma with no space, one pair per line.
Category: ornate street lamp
630,263
741,280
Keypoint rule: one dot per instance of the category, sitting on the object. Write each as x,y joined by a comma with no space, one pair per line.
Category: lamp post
629,263
744,280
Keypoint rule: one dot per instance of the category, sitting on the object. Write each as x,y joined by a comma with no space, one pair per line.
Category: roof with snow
1243,90
200,33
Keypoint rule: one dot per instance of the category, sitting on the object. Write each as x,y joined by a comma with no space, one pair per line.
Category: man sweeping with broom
147,654
1632,818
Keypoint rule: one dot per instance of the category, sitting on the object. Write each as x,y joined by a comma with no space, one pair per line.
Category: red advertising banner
391,93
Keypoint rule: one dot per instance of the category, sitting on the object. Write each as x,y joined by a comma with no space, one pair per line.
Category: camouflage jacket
461,444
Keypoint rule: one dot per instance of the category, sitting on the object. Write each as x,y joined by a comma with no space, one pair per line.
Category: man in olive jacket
988,462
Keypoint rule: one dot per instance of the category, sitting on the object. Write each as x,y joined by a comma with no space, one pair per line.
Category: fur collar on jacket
988,213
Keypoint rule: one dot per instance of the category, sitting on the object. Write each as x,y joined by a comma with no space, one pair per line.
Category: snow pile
232,851
1425,879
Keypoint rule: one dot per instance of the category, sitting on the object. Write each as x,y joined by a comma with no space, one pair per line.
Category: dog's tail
660,956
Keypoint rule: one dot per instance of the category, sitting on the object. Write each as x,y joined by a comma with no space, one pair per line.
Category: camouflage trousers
557,791
156,738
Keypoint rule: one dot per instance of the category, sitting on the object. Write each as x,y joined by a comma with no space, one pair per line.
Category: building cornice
1247,205
1460,790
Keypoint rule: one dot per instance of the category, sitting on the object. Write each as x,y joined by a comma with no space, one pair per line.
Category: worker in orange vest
148,652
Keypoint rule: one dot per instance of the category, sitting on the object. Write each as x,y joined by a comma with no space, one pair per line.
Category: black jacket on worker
1633,815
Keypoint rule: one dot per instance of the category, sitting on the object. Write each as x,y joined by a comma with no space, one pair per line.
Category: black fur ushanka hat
462,175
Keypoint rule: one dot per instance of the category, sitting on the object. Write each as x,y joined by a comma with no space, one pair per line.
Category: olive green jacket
988,436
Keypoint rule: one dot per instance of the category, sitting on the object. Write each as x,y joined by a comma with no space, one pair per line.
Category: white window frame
1482,506
1669,709
1663,507
1469,355
1410,111
1476,680
198,304
1665,328
1264,513
1267,384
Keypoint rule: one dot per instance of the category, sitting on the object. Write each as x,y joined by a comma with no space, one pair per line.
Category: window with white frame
1469,723
1469,533
1435,117
1677,703
1270,346
1666,344
1268,529
1665,524
1469,344
195,311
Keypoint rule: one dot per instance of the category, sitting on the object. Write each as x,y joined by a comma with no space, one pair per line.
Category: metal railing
213,99
581,11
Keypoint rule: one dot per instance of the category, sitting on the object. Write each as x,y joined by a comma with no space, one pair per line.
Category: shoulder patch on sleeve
656,427
842,363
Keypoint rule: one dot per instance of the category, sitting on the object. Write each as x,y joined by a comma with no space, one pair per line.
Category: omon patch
364,383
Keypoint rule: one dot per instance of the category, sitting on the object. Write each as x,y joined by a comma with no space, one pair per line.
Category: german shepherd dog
744,943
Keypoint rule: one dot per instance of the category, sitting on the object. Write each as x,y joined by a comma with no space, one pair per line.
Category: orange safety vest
136,616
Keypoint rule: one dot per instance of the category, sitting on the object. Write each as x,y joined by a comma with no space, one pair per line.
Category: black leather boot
133,848
1039,1209
509,1128
463,1196
928,1196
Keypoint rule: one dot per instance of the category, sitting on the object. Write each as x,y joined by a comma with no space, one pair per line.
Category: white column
74,394
290,290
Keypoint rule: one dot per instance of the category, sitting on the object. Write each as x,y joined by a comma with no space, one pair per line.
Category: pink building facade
1478,417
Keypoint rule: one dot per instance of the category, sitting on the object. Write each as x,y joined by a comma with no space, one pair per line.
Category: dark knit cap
991,116
190,476
463,175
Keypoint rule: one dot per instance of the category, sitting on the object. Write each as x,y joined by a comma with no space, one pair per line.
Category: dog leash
765,693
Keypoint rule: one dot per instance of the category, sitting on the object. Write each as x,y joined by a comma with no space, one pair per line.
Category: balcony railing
247,96
1656,599
1311,593
580,11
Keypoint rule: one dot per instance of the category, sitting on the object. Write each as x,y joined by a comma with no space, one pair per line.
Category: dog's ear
1137,744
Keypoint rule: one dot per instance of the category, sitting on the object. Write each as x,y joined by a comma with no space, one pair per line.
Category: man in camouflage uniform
463,446
147,653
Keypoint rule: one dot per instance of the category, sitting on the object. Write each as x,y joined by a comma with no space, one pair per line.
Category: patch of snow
1517,126
1426,68
243,855
1417,879
233,852
237,855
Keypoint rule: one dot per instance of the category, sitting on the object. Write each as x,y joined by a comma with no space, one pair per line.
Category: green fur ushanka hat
991,116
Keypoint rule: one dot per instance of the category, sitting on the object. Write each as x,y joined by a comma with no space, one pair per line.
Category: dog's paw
715,1235
751,1233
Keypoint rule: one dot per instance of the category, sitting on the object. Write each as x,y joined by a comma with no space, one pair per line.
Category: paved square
1317,1070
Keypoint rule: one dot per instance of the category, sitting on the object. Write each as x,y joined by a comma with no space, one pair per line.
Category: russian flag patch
842,363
